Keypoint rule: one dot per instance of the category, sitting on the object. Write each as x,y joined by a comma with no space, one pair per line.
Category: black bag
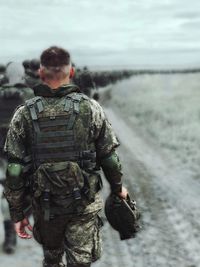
122,215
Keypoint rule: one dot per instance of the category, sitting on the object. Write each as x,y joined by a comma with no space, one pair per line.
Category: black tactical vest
54,131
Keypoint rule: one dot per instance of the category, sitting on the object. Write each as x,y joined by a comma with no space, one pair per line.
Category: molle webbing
54,135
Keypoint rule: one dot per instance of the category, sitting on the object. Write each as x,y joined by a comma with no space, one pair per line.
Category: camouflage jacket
8,92
8,104
84,81
20,137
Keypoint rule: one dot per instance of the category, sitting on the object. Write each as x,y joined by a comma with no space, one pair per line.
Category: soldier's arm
106,144
112,169
15,151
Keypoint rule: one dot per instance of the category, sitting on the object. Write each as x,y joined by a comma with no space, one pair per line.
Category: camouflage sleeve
105,138
15,151
15,140
16,203
106,142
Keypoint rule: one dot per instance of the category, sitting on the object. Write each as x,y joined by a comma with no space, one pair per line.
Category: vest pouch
92,184
64,179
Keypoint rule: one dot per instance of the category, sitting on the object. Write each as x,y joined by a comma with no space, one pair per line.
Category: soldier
68,138
26,64
12,94
31,72
83,79
3,79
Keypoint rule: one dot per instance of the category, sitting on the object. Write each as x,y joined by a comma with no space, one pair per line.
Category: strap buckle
46,204
76,193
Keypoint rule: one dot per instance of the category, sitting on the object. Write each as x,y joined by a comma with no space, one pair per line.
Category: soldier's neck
54,84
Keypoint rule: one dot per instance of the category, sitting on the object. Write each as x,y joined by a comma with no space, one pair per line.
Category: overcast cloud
106,32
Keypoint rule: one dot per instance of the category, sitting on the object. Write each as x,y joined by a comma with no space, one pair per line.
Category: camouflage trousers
78,236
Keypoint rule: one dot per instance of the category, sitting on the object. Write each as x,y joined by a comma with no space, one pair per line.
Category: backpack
65,176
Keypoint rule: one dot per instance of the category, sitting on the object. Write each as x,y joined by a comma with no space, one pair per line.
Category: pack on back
64,172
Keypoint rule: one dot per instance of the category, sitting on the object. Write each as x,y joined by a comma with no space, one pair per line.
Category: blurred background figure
12,94
31,68
2,74
84,80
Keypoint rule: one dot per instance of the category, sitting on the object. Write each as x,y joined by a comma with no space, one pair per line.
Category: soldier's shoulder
20,88
90,101
8,91
19,113
95,105
97,112
5,87
26,88
33,100
79,96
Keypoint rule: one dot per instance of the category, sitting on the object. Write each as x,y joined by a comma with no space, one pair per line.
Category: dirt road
168,198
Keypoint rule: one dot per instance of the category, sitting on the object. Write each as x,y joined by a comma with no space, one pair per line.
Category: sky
102,33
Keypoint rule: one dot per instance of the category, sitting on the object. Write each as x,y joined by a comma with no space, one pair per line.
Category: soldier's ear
41,74
72,72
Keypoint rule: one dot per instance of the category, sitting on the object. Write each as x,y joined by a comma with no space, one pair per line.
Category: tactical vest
64,173
54,131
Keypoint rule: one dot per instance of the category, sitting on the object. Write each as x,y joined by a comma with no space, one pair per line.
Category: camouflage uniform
31,72
3,79
32,79
73,226
11,95
83,79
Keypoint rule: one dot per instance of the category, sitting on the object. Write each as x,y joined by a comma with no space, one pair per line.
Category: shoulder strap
72,101
32,104
35,106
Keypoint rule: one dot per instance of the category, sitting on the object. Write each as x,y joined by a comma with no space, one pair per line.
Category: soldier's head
2,74
35,64
55,65
26,64
2,68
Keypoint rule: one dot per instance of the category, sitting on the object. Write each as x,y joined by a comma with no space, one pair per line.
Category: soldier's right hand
20,228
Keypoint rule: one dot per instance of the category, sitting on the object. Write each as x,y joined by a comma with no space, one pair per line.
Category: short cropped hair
55,62
55,57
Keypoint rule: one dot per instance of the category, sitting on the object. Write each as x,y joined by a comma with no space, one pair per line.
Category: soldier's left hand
20,228
123,193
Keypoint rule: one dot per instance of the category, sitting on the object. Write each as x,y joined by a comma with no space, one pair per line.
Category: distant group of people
88,81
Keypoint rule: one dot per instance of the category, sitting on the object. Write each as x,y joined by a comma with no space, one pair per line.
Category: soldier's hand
123,193
20,228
